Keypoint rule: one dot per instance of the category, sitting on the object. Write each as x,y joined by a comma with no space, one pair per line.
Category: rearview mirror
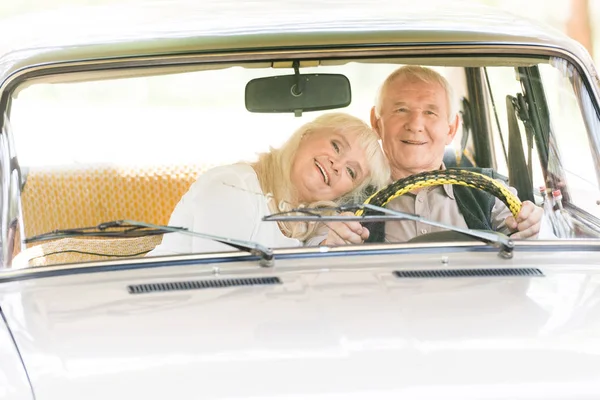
297,93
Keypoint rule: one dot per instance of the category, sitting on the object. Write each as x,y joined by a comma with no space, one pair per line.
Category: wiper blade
120,229
128,228
505,244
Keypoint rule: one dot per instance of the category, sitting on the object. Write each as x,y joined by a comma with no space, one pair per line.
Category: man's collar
447,187
449,190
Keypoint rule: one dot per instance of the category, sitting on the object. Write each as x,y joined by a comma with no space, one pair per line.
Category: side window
572,151
543,135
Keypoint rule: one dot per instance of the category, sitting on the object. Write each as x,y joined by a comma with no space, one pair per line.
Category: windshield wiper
120,229
126,228
499,240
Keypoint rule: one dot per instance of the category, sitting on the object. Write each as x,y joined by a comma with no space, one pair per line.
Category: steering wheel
453,176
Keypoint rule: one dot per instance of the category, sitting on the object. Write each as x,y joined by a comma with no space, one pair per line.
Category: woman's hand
351,232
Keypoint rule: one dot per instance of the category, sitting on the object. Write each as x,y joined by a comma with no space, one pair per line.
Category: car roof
168,27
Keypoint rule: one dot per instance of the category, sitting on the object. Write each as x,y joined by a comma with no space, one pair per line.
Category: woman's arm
220,203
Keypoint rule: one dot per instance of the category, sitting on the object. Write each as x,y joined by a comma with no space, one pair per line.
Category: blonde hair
273,169
423,74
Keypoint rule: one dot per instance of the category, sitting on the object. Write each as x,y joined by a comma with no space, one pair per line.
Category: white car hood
342,332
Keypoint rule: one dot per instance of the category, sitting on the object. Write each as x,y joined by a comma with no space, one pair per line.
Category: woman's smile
323,172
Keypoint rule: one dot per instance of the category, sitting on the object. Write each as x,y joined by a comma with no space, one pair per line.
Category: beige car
109,114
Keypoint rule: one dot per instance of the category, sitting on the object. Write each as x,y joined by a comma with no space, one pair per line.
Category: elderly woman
330,160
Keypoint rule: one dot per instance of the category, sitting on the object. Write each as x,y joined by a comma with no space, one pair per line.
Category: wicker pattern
73,250
62,198
451,176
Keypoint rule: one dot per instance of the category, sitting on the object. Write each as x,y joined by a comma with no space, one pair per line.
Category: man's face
413,125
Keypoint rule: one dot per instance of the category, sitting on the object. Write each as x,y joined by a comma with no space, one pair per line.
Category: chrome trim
12,215
352,51
16,230
209,260
5,195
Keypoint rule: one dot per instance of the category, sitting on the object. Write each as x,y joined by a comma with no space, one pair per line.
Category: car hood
343,327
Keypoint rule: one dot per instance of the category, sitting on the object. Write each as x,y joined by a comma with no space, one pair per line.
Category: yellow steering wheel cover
452,176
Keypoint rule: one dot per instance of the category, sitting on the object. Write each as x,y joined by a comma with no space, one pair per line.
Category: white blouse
225,201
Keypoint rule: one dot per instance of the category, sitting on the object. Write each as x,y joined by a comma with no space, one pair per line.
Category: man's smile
413,142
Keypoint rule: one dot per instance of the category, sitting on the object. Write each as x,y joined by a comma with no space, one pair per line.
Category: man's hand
528,222
351,232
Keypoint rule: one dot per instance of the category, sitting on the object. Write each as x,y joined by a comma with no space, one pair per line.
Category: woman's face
328,165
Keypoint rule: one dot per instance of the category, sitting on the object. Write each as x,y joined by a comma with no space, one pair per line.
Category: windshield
179,147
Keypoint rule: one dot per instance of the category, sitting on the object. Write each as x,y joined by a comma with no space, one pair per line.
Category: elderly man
415,118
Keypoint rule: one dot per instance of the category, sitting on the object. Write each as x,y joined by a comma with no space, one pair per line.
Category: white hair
423,74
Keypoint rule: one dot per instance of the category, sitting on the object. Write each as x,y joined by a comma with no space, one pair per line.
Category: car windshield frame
454,54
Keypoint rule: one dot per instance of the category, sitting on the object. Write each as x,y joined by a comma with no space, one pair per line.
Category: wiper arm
128,228
505,244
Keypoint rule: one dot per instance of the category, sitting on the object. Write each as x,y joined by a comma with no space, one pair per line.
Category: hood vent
468,273
207,284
